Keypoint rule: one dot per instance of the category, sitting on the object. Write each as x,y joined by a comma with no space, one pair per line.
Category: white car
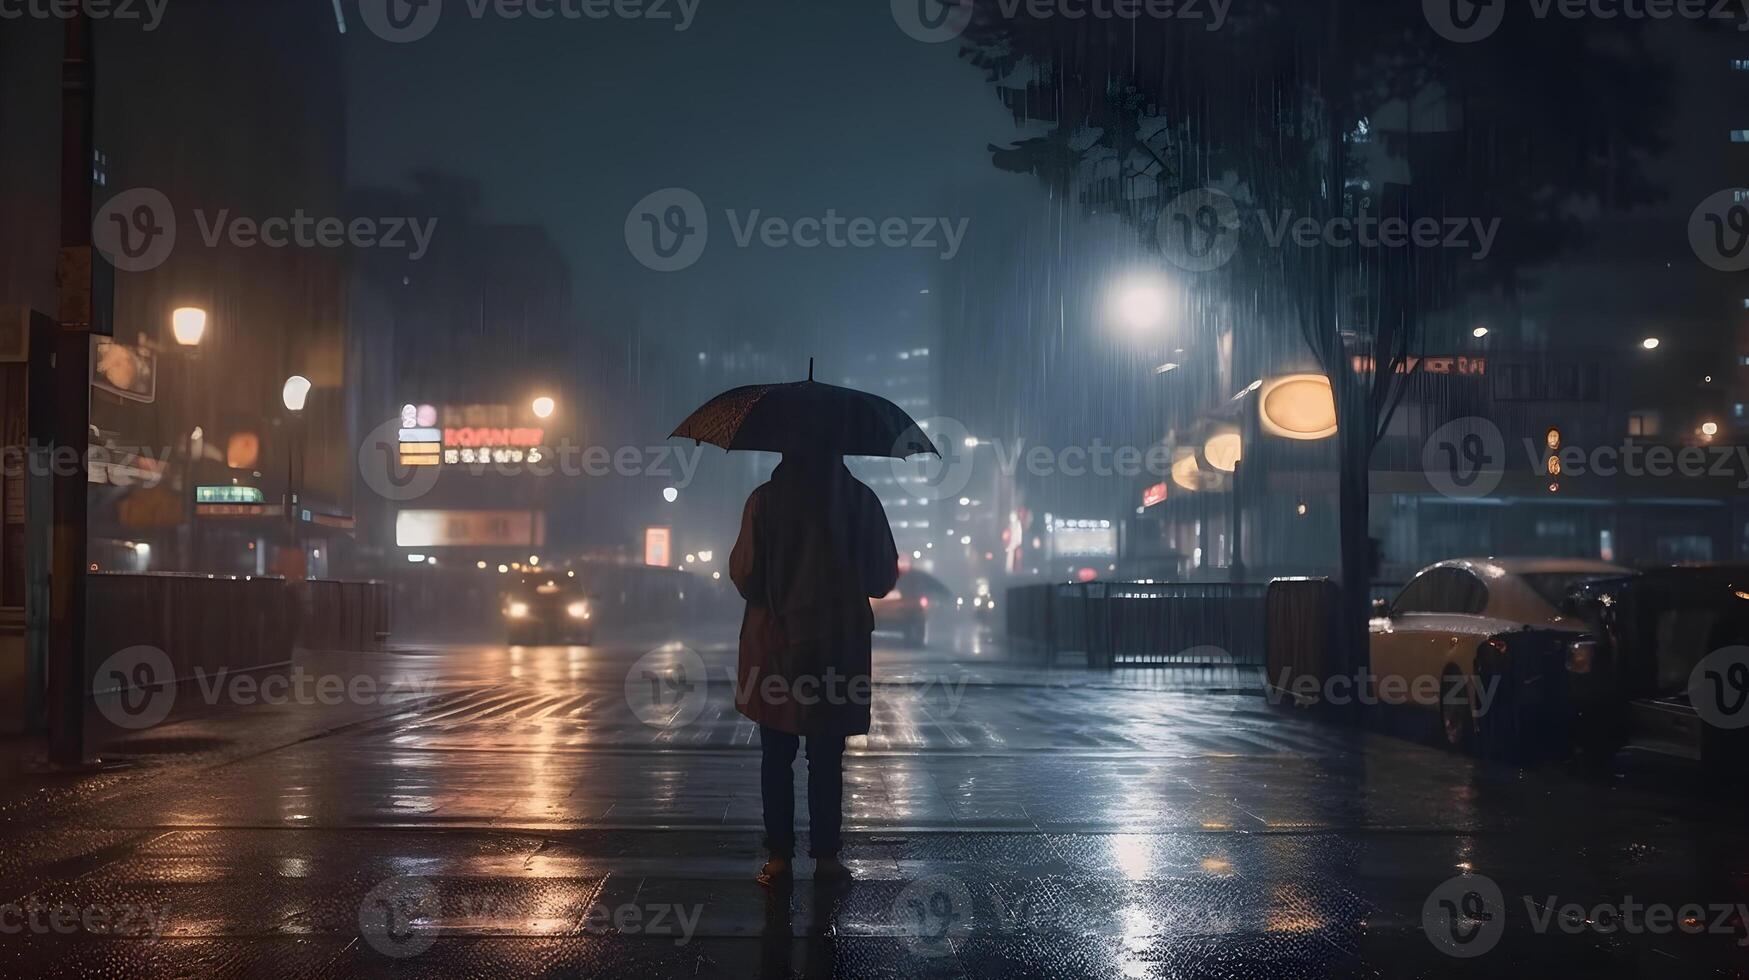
1426,638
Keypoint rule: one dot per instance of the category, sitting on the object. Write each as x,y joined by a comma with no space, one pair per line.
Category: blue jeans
777,787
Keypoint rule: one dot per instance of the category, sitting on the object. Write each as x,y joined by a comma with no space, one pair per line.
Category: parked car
905,610
1654,629
548,608
1435,627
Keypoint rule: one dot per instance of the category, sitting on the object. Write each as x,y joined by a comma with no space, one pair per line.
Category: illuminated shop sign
1448,364
228,495
459,434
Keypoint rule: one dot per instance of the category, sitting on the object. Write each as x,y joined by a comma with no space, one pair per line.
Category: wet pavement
489,811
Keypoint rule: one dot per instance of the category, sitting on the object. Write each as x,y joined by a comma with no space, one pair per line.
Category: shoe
777,873
831,871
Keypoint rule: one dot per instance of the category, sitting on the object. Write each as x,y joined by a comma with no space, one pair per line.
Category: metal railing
1126,624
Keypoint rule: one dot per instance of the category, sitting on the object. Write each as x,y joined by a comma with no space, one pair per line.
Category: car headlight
516,610
578,610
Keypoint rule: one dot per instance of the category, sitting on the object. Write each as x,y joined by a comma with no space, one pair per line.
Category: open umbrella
805,416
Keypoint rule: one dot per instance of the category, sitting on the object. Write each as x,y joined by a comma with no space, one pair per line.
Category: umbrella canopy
805,416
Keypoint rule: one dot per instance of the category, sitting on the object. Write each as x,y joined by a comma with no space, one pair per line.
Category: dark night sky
790,108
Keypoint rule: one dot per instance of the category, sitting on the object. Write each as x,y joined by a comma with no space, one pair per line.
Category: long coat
814,548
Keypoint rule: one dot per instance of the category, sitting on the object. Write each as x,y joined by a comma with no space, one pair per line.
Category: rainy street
526,817
904,488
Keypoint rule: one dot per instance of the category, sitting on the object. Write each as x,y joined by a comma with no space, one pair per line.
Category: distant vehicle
548,608
905,610
1443,616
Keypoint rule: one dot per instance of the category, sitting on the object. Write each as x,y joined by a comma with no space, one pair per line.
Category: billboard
479,528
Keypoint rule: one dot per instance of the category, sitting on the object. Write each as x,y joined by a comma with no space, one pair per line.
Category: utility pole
67,681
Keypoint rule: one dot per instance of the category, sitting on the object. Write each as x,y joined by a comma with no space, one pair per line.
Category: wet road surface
491,811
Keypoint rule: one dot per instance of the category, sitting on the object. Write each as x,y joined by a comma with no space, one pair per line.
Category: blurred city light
188,325
1139,303
295,392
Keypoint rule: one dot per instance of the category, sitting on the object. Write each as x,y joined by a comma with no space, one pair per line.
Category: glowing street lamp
188,325
1223,450
1139,303
1650,343
295,392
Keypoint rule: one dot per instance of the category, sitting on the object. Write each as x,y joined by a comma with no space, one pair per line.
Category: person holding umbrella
814,548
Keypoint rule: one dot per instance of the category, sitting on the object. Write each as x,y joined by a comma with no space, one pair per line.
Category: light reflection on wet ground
1002,821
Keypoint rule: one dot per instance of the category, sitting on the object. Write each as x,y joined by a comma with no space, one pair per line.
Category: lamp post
188,327
294,393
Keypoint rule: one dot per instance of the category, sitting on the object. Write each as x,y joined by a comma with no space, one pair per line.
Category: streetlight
543,407
1650,343
295,392
188,325
1139,303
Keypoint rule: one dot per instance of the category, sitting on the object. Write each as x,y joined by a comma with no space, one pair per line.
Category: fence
208,624
1124,624
336,615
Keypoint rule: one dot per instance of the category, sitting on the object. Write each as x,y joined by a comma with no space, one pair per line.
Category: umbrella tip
810,369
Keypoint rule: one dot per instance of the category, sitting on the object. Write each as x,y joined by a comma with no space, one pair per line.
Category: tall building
905,376
233,116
